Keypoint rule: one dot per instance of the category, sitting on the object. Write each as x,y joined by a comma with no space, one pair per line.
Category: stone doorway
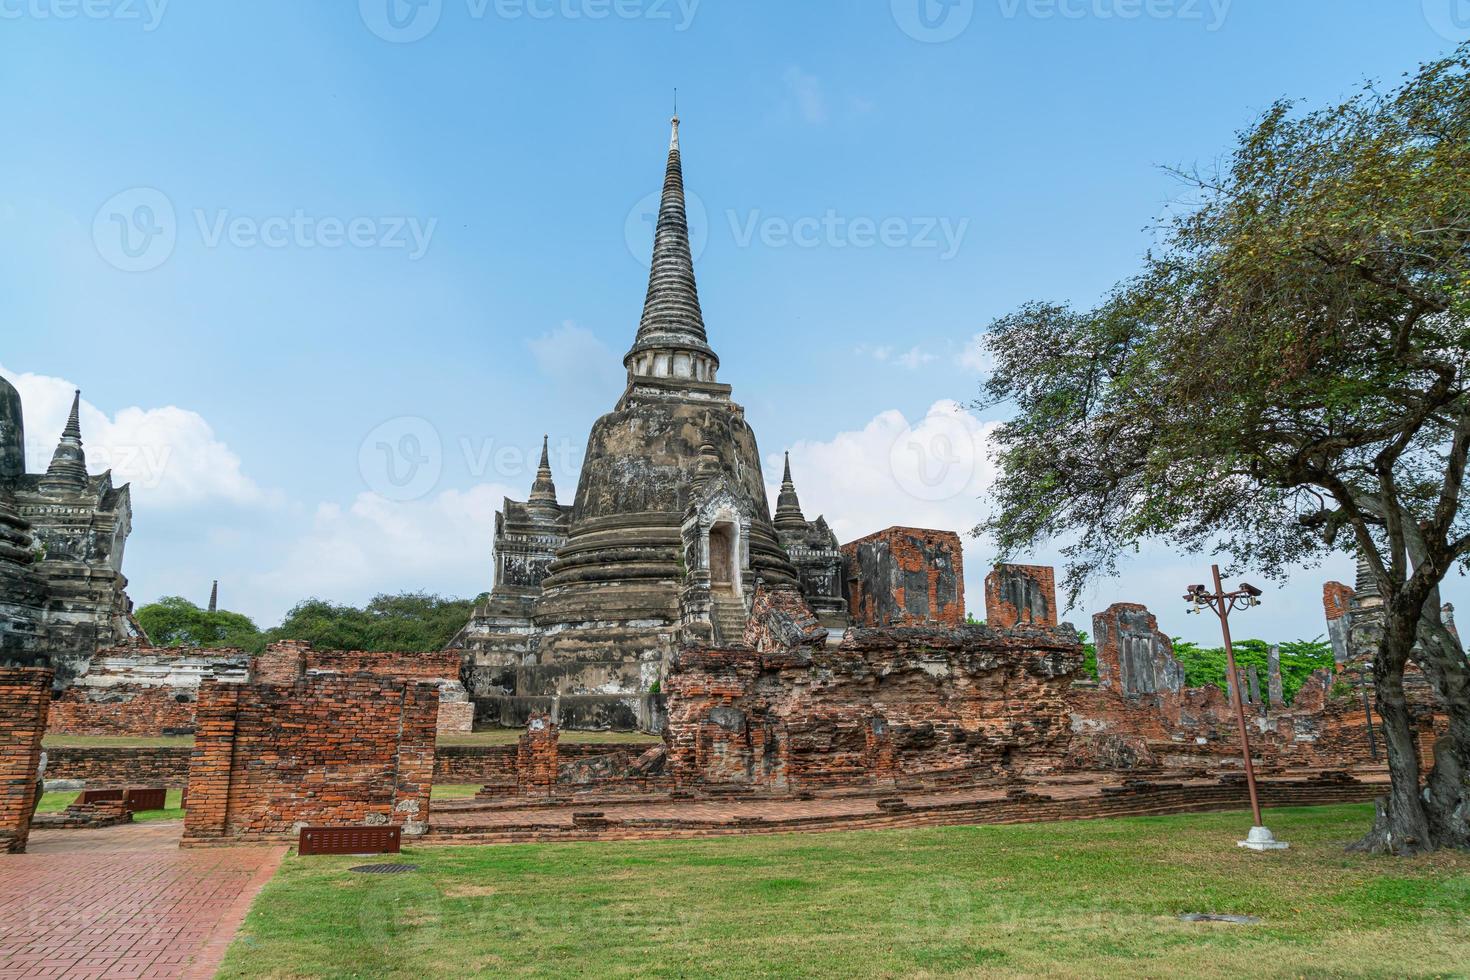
723,541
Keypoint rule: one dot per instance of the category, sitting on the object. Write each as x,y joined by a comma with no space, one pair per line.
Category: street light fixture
1222,604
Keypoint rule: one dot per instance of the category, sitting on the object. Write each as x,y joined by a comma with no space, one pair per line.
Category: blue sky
368,237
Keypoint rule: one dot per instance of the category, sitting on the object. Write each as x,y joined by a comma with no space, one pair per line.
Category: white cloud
170,455
915,358
574,356
929,473
911,359
977,357
806,92
348,554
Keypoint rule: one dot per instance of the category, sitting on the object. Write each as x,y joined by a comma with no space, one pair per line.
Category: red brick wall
326,750
1020,594
906,576
109,766
24,695
281,663
419,666
129,709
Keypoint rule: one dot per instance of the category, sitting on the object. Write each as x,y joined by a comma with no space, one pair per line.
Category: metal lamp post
1222,604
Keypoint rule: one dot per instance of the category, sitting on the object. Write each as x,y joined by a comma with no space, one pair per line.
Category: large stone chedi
667,540
61,547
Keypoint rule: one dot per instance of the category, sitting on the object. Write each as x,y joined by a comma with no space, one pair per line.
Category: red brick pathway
124,902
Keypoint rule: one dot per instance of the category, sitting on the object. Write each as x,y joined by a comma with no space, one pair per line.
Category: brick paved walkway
124,902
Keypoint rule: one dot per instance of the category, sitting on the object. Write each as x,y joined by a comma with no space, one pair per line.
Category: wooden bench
350,840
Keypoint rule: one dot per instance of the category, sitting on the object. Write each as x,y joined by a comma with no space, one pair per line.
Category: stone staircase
728,616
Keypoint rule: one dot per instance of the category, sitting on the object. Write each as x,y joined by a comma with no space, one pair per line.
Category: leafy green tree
176,622
1286,376
1300,659
410,622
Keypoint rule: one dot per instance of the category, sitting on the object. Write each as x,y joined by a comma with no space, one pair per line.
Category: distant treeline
409,622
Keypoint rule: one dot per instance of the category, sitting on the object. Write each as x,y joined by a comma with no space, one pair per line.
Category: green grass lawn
53,802
1093,898
114,741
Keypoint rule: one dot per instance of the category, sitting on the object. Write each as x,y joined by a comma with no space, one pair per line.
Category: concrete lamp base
1261,839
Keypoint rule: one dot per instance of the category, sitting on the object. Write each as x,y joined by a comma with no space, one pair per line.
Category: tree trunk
1401,826
1447,796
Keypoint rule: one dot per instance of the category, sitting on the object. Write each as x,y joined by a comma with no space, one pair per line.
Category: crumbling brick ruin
321,750
904,576
1133,657
957,700
24,695
142,691
1020,595
1141,716
149,691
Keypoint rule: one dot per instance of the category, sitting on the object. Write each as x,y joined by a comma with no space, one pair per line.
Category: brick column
418,728
25,694
211,763
879,755
536,757
1021,595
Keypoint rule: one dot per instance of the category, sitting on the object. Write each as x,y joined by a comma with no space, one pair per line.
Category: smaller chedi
62,533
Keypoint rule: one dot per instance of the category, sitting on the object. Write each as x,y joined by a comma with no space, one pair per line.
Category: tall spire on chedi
68,469
671,339
214,595
788,507
542,501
